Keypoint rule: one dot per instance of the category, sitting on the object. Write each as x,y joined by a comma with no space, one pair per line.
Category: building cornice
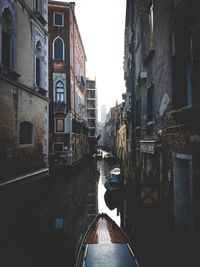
23,87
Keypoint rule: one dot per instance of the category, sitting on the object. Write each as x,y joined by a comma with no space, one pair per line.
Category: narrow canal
75,200
47,230
104,170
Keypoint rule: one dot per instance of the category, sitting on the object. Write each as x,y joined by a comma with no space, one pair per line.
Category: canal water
104,170
69,203
75,199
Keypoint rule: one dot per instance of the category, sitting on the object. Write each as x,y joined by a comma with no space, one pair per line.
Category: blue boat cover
109,255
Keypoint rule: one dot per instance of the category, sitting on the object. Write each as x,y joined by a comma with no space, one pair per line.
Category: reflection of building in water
104,169
74,203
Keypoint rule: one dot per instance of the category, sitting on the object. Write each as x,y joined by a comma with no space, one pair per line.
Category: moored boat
105,244
114,198
114,182
98,155
110,158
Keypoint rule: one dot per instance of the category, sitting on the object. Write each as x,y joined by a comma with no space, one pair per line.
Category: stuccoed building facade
114,132
23,89
128,96
68,142
121,140
166,110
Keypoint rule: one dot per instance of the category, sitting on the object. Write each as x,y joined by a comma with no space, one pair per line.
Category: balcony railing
91,107
59,107
91,94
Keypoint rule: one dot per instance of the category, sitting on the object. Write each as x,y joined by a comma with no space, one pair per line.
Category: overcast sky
101,24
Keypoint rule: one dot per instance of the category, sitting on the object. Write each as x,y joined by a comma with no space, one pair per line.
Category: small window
39,6
150,103
60,125
58,49
25,133
7,41
38,64
38,72
59,95
58,19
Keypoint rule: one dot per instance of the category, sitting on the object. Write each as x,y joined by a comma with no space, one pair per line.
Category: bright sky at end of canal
101,24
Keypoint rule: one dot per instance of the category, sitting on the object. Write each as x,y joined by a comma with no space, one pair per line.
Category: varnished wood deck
105,231
102,237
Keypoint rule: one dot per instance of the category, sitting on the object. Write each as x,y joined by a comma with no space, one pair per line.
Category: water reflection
75,200
104,169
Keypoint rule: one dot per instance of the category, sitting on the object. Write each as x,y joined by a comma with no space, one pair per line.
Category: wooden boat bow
105,244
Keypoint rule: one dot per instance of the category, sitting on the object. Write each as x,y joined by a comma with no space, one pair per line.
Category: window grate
25,133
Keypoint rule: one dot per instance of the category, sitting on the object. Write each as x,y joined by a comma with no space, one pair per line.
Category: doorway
183,193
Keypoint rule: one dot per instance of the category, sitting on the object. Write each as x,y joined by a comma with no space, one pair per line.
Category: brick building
166,104
23,89
68,131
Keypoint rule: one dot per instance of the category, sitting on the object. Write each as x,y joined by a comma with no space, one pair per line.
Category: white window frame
56,78
58,37
58,13
55,126
55,92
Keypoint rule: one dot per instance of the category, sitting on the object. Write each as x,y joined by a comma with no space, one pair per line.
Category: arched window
25,133
7,22
58,49
39,65
59,92
39,6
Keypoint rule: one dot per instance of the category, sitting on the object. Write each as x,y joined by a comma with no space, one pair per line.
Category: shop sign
148,147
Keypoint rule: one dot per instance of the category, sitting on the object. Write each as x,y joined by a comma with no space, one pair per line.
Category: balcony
91,95
91,107
59,107
91,124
